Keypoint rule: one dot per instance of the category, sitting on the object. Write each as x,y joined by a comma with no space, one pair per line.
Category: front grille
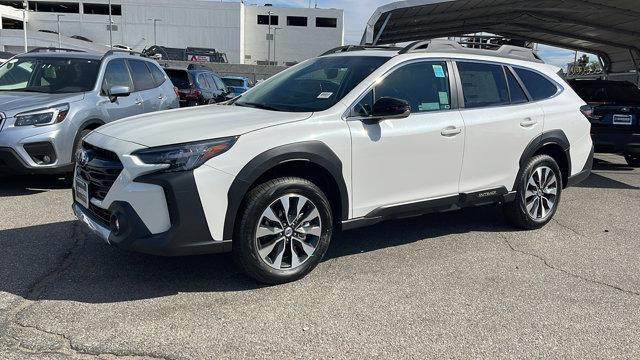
101,171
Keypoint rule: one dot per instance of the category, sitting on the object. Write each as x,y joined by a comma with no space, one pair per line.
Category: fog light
114,224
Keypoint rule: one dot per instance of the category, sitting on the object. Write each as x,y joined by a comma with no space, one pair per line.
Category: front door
117,74
408,160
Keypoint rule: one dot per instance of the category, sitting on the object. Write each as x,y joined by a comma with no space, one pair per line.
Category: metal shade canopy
607,28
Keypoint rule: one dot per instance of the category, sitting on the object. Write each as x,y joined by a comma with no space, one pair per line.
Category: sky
358,12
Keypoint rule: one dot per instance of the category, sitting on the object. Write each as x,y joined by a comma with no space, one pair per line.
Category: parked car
237,85
614,112
198,86
5,56
344,140
51,99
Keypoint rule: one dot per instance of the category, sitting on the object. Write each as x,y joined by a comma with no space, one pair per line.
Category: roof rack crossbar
349,48
52,49
114,51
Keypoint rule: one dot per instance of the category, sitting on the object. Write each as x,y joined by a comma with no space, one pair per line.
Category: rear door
500,122
160,97
117,74
144,85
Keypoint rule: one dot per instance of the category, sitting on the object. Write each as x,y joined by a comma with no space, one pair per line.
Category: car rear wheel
539,187
284,230
632,160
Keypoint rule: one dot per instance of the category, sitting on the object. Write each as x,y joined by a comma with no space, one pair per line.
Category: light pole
269,13
110,27
59,36
25,8
155,22
275,32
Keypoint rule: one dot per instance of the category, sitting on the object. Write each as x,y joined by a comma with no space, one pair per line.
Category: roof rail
437,45
114,51
52,49
198,67
349,48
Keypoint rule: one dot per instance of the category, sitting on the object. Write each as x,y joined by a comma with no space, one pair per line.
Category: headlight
183,157
52,115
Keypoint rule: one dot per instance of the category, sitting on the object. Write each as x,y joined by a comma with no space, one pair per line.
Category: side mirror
118,91
388,108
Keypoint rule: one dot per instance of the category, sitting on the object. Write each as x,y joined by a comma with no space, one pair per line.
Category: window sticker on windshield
438,70
429,106
325,95
444,97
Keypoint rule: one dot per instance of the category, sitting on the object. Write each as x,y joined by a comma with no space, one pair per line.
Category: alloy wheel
288,232
542,193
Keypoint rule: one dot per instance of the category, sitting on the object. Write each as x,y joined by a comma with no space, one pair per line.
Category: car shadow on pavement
60,261
13,185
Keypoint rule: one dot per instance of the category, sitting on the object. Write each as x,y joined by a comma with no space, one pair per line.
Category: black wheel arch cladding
553,137
314,152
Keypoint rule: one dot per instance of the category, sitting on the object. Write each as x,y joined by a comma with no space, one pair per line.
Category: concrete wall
293,43
253,72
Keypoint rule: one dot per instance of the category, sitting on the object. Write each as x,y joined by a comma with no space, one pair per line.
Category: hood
195,124
20,101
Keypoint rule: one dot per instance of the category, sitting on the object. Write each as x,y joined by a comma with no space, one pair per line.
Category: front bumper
617,142
12,163
188,235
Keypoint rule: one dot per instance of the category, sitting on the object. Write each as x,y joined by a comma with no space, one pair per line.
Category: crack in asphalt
38,289
566,272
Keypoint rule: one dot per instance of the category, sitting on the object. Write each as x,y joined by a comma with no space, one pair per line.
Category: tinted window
142,79
296,21
179,78
314,85
158,75
219,84
425,85
518,95
538,86
264,20
202,81
607,92
233,82
326,22
116,74
483,85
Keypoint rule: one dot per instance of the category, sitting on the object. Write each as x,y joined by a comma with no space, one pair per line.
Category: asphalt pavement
455,285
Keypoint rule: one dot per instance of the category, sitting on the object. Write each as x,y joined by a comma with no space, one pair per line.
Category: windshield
49,75
622,93
315,85
179,78
233,82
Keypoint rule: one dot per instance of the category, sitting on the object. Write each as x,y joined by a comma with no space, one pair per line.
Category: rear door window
518,96
142,78
116,74
538,86
219,83
483,85
157,74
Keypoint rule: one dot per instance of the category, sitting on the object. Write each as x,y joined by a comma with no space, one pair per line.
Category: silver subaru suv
51,98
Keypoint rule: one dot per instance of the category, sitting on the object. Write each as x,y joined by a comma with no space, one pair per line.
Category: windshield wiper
257,106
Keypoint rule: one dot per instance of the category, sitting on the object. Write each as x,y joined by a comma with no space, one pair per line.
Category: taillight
193,93
588,111
175,90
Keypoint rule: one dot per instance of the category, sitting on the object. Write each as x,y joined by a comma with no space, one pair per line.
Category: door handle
528,122
161,97
139,102
451,131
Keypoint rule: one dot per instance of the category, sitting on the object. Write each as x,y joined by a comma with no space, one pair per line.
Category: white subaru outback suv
351,138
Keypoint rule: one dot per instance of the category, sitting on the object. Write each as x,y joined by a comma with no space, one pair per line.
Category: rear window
233,82
179,78
608,92
539,87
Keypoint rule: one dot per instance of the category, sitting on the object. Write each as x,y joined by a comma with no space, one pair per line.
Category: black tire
632,160
245,247
516,211
192,103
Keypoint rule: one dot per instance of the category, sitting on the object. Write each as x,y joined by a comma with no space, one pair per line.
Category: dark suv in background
198,85
614,112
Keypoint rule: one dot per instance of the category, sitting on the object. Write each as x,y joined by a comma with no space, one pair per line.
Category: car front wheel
284,231
539,186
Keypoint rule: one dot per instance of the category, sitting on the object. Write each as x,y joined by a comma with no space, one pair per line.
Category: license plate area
81,191
622,119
